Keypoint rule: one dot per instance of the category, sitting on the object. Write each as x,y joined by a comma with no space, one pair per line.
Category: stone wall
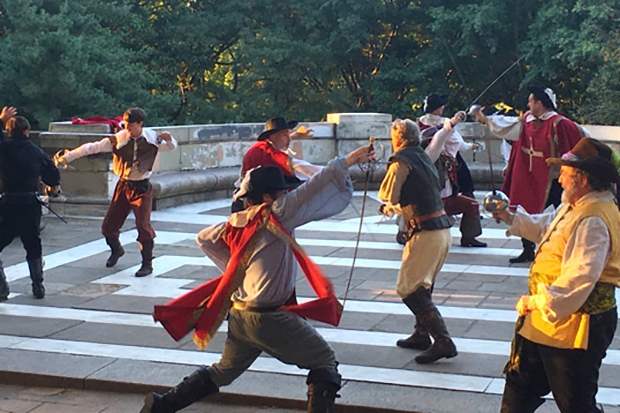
209,156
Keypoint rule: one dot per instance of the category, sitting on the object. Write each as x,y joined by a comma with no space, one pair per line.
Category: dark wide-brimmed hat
591,156
546,96
265,180
276,125
434,102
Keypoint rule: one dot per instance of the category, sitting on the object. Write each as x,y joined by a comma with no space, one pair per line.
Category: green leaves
213,61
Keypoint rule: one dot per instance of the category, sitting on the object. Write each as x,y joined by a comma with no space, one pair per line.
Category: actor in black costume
22,165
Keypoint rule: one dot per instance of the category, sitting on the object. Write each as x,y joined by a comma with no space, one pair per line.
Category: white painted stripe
262,364
351,306
86,250
335,335
15,272
459,382
393,246
93,316
8,341
154,286
464,313
321,226
395,264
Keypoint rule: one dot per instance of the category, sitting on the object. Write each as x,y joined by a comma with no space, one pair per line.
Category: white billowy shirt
509,127
455,142
587,252
123,138
437,145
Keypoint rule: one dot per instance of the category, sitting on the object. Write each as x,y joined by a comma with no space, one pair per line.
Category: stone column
354,129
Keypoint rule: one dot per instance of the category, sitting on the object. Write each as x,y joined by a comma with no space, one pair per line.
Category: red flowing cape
204,308
528,177
113,123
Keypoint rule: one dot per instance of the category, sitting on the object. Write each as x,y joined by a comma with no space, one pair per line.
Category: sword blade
496,80
52,211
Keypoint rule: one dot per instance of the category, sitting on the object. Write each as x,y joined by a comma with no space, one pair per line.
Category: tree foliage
213,61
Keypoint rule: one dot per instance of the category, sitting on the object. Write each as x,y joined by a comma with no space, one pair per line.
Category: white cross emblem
531,152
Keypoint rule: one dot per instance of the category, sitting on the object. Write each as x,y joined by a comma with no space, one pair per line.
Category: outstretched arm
505,127
49,172
323,195
91,148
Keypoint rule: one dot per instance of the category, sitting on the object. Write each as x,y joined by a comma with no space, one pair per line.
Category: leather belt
245,307
417,220
128,182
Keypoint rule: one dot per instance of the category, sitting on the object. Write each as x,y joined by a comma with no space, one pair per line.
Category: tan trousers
423,257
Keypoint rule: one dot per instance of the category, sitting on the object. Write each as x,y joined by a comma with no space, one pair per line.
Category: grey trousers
281,334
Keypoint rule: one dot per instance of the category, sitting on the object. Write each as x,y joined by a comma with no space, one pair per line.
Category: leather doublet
124,156
420,191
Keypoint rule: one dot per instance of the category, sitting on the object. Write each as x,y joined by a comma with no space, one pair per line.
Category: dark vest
420,193
123,157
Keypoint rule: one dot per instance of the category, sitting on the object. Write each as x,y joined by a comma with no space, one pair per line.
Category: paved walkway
21,399
94,331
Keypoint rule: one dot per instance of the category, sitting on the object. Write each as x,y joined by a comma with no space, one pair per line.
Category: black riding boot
146,249
117,251
419,340
36,275
192,389
527,255
4,285
426,312
323,386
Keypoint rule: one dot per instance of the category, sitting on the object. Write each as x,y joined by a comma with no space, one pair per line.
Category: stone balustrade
208,158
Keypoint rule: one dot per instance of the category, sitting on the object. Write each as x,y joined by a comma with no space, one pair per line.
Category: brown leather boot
146,249
117,251
528,253
416,341
472,242
421,303
443,346
419,340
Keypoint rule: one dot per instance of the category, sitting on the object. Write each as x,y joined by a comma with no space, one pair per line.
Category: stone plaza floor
93,332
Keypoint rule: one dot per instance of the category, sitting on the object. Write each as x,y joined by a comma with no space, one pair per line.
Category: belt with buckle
417,220
254,309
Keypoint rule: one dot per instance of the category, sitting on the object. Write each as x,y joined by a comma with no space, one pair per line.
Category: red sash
204,308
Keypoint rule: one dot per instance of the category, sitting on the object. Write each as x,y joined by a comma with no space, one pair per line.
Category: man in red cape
272,148
539,134
255,250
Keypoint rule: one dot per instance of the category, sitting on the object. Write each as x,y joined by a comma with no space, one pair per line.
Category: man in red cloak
272,148
540,134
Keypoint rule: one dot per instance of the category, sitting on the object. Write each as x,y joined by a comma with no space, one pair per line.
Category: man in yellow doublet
568,319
